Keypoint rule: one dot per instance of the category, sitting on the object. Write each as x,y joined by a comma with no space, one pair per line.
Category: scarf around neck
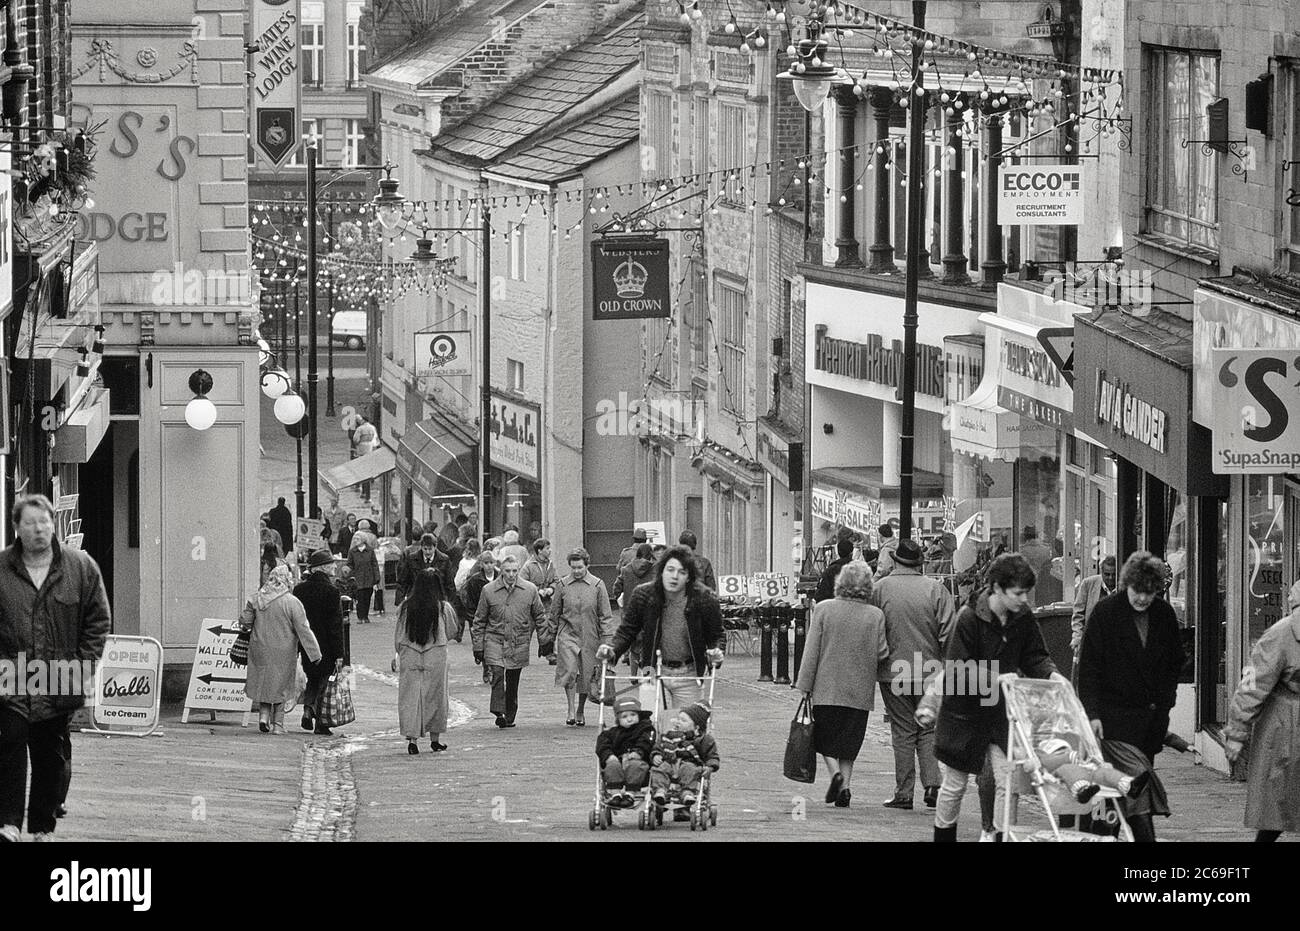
277,583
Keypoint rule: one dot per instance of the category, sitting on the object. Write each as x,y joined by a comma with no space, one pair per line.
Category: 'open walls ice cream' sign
277,80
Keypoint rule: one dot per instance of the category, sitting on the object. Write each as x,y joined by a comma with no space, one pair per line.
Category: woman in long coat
846,645
1269,698
581,621
279,624
363,567
420,642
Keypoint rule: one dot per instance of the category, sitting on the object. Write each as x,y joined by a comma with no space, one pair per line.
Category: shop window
1039,536
1264,584
1182,195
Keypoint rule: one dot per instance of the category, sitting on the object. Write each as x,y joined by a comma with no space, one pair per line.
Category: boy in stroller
1083,778
624,752
681,755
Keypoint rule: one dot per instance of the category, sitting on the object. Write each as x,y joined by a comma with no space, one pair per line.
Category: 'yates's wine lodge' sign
276,79
630,279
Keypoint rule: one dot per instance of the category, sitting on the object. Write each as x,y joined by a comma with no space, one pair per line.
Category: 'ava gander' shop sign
1130,415
877,362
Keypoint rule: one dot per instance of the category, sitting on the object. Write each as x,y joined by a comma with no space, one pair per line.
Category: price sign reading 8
769,585
732,586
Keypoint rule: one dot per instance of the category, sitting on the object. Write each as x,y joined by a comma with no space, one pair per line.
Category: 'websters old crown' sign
630,279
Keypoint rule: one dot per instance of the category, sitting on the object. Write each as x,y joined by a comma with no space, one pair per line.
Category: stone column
882,250
846,243
954,259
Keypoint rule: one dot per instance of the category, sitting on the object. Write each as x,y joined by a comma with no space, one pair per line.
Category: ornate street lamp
200,413
390,208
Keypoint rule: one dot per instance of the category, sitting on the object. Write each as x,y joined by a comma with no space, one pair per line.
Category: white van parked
350,328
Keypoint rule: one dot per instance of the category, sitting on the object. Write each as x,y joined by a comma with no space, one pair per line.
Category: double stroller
701,812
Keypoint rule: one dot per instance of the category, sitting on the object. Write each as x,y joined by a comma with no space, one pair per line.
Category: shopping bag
800,755
336,701
239,649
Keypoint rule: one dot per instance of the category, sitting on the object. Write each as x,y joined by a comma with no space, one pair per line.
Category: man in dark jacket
826,585
629,552
323,606
676,615
1129,664
53,613
280,519
996,633
416,559
703,568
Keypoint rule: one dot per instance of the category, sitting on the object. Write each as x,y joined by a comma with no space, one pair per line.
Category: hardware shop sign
630,279
276,79
1255,412
1040,195
515,442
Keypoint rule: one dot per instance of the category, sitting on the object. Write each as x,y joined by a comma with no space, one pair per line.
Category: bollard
764,614
345,603
783,616
800,634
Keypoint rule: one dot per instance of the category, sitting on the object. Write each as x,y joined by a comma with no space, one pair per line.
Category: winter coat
618,741
580,621
845,649
1131,689
280,519
324,609
413,562
273,649
885,558
504,623
700,749
67,619
543,575
704,573
1090,592
628,554
980,649
364,566
345,538
826,584
422,699
1268,700
636,572
640,624
919,616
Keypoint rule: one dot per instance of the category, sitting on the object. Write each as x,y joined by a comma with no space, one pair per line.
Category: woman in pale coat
1269,698
581,621
845,647
420,642
279,625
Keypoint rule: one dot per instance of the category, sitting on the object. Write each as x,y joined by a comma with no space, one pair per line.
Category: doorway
95,504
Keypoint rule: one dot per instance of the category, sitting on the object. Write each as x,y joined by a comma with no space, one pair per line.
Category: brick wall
1252,232
402,22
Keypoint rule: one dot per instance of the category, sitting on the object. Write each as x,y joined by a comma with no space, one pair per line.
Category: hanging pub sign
276,79
442,352
630,279
1040,195
1256,414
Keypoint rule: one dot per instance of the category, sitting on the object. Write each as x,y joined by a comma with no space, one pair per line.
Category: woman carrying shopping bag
279,624
420,642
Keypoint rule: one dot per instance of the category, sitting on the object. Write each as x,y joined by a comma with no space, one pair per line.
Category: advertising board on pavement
216,684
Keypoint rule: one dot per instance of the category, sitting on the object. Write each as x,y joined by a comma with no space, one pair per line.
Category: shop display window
1264,584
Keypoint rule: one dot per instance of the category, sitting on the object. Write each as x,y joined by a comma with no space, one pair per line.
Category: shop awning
437,462
979,426
365,468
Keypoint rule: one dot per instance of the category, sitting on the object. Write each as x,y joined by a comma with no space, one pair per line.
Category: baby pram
702,813
1038,709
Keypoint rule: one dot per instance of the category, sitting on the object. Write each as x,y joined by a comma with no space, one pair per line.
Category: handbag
800,754
239,649
335,703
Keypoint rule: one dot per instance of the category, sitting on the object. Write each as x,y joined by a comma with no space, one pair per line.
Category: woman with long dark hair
421,661
677,616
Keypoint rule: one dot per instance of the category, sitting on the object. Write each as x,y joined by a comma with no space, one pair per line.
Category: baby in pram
682,754
1084,778
624,752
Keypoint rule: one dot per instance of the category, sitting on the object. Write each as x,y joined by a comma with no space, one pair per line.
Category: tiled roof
1159,333
565,152
449,42
539,100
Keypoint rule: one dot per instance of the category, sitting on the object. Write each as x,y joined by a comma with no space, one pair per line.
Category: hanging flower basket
59,171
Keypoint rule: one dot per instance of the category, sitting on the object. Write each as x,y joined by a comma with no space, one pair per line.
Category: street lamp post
813,79
388,192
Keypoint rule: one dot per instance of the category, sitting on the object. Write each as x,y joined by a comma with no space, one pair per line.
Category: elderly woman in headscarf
279,625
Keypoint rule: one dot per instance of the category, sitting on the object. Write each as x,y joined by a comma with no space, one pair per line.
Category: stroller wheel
713,815
591,820
695,821
641,821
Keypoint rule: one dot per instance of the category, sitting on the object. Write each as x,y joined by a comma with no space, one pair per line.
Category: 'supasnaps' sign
630,279
1256,410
